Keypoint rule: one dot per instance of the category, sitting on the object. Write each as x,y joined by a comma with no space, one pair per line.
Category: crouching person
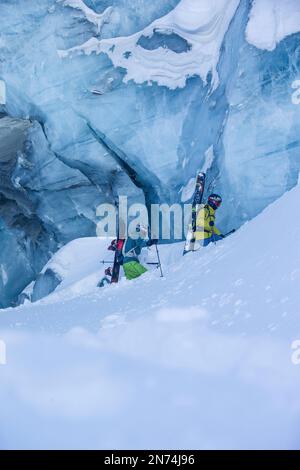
206,231
131,252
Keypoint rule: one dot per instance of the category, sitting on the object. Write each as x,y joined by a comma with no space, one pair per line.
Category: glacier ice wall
177,86
261,138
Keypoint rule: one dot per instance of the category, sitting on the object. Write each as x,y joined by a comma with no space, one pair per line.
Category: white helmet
142,229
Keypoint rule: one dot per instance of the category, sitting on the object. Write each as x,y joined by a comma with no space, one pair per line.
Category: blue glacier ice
62,71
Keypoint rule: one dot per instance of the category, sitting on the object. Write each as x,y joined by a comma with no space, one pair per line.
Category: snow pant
209,240
206,241
133,269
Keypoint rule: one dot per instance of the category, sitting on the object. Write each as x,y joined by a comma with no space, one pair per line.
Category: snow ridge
202,25
95,18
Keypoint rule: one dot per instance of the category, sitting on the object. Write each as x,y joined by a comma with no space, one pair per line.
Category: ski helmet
143,229
214,201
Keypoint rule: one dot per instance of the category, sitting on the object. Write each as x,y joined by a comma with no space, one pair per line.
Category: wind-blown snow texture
176,81
200,359
201,25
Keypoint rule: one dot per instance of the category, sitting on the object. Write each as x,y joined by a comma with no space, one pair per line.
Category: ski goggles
215,202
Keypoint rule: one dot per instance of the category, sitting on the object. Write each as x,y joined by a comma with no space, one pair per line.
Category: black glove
229,233
113,246
152,242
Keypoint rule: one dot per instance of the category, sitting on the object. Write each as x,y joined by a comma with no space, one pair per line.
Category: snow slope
200,359
65,269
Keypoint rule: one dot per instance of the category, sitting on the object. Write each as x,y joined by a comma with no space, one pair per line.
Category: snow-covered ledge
202,24
95,18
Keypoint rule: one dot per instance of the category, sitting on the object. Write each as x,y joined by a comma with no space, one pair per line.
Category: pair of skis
197,201
112,274
117,247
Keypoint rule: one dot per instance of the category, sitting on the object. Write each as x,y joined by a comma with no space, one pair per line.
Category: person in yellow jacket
206,230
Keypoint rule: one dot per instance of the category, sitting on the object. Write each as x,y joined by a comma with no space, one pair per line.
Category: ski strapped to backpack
118,261
197,201
112,273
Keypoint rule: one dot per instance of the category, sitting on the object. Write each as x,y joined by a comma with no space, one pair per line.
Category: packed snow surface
200,359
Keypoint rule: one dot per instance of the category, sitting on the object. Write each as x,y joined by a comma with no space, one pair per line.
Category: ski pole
230,233
224,236
150,264
159,263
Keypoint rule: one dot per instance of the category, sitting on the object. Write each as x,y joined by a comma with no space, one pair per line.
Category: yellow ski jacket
205,224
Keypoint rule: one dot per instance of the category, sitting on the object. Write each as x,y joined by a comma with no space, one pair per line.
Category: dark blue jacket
132,249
